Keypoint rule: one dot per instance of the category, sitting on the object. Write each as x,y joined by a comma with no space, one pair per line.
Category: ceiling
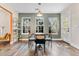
45,7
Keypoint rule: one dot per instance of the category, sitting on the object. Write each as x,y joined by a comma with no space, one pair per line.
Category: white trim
39,33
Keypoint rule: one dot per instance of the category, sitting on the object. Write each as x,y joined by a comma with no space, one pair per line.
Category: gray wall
33,15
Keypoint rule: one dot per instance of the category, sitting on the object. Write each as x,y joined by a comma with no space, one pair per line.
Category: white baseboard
57,39
74,45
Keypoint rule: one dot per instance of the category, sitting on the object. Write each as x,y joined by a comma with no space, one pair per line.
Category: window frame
39,25
22,19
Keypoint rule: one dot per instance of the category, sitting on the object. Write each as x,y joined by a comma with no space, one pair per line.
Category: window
26,25
39,25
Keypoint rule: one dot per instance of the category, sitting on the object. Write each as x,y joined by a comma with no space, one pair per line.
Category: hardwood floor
21,49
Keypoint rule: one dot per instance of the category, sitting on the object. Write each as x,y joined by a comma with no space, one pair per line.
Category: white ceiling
45,7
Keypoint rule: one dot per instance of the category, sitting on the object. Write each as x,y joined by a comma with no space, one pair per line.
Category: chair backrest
32,36
37,41
48,35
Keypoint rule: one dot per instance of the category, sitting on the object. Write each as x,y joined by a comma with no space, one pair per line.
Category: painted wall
71,13
46,30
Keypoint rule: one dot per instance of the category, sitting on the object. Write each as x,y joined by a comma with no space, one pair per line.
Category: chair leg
51,44
44,47
35,49
29,44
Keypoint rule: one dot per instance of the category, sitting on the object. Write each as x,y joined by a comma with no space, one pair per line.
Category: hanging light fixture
39,13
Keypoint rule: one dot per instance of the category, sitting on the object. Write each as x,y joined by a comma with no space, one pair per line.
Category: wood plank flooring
21,49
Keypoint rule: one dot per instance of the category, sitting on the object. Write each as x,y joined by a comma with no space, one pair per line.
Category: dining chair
31,40
48,39
40,40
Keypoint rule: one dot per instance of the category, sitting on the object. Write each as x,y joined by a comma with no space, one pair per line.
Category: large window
26,25
39,25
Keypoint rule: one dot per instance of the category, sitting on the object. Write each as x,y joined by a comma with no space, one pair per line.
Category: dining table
32,38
